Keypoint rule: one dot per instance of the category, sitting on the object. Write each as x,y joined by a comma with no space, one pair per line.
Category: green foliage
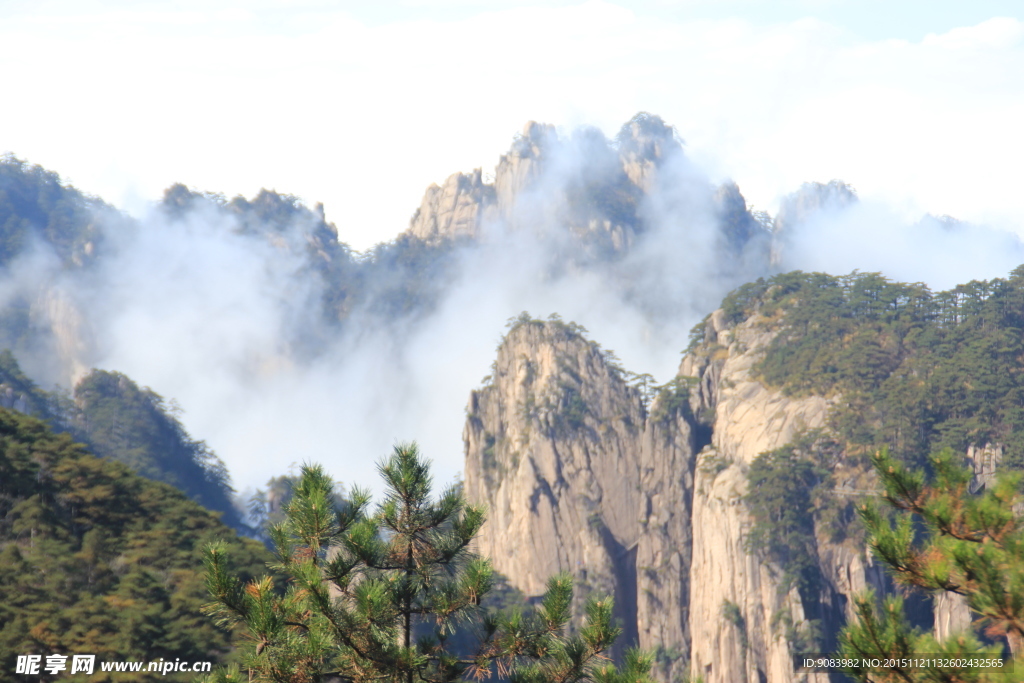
566,331
36,205
95,559
382,597
571,409
267,506
698,333
135,426
672,398
781,500
644,385
23,391
804,636
974,544
732,614
714,463
881,631
943,538
404,277
916,370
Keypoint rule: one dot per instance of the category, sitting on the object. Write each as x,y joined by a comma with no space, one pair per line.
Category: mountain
123,422
95,559
550,447
720,513
35,206
717,506
236,295
593,192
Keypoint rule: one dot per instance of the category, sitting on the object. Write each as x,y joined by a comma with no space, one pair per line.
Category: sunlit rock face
551,446
646,500
592,196
454,209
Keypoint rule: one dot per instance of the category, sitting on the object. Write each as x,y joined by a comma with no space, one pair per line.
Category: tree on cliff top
972,545
378,597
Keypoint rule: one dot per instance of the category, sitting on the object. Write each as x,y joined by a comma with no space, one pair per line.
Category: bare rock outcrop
550,447
650,501
523,164
590,198
735,601
454,209
646,142
670,439
67,333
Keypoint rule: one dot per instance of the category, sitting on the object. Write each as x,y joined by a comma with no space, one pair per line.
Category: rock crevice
648,502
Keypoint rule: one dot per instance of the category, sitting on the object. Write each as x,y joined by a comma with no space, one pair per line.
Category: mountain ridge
722,582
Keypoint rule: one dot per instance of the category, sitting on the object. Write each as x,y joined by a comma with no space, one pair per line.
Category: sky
362,105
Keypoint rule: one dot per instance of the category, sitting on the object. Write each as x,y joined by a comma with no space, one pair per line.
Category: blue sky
362,105
869,19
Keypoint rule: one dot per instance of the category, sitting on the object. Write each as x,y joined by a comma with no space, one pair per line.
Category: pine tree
379,597
943,538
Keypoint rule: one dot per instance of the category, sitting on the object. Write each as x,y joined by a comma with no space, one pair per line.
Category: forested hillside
36,205
724,503
95,559
911,369
391,281
133,426
717,502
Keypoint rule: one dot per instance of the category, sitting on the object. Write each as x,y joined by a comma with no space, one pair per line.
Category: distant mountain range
660,492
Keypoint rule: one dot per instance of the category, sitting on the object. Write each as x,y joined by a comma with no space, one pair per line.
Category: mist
227,318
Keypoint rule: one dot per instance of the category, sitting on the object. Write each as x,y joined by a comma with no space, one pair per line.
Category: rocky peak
735,600
523,164
812,198
591,199
650,505
280,219
738,226
803,205
549,444
645,142
454,209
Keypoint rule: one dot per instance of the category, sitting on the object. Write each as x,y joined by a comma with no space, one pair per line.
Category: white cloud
364,117
998,33
125,99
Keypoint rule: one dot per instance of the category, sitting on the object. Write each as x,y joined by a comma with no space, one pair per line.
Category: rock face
454,209
71,335
552,443
735,599
585,191
802,206
518,170
645,142
670,439
648,501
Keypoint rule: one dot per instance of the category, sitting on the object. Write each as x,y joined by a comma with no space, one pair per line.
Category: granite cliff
593,195
552,437
647,499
